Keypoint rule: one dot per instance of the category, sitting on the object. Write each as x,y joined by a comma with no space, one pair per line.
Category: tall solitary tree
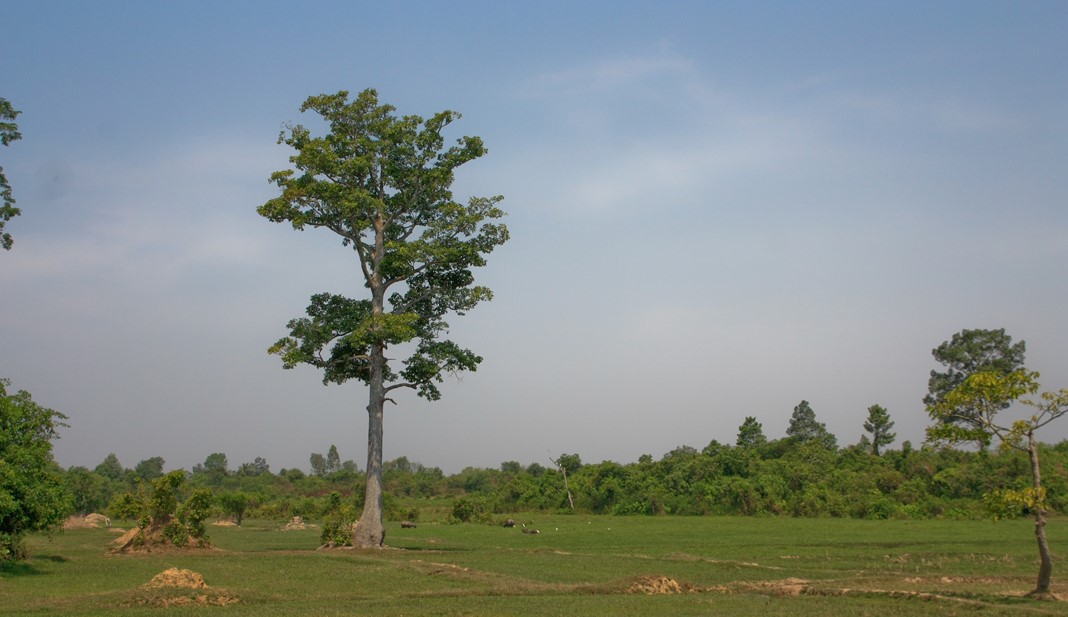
970,413
9,132
879,425
382,183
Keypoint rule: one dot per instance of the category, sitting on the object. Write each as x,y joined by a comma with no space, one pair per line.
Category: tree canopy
382,183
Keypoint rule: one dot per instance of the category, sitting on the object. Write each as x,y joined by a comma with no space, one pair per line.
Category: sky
717,210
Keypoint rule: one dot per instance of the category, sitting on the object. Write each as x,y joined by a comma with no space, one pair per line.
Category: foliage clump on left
33,496
161,521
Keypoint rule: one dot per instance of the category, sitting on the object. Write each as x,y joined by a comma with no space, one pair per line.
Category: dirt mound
296,524
176,577
178,587
97,519
87,522
652,585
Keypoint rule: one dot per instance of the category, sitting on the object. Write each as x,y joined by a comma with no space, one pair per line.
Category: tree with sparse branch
969,413
9,132
383,184
879,425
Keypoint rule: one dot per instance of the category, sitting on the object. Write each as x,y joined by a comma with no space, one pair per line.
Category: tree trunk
369,531
1045,568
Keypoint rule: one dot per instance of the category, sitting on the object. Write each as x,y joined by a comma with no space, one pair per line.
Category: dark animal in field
509,523
407,525
529,530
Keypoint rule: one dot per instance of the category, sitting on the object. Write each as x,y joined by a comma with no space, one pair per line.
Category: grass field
577,565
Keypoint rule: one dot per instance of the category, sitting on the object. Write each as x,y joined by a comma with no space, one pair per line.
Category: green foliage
969,412
162,501
333,460
149,469
751,434
338,518
879,425
969,352
215,468
89,491
194,511
111,468
156,509
9,132
318,464
382,183
234,505
570,463
126,507
782,477
32,491
805,427
474,508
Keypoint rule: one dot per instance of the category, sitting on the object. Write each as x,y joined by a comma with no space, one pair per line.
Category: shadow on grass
26,567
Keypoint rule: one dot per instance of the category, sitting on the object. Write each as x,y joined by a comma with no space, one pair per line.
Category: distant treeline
784,477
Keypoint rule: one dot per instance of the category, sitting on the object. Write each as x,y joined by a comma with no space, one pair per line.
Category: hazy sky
717,209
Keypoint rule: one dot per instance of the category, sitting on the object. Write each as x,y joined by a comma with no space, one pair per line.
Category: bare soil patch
654,585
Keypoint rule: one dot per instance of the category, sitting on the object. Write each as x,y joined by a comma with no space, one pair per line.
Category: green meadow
576,565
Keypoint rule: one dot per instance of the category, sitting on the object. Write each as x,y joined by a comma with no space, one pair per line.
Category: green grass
577,565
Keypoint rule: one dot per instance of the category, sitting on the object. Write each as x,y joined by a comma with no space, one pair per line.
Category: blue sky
717,210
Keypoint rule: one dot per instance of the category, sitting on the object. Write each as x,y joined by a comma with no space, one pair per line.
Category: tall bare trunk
370,532
1045,568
